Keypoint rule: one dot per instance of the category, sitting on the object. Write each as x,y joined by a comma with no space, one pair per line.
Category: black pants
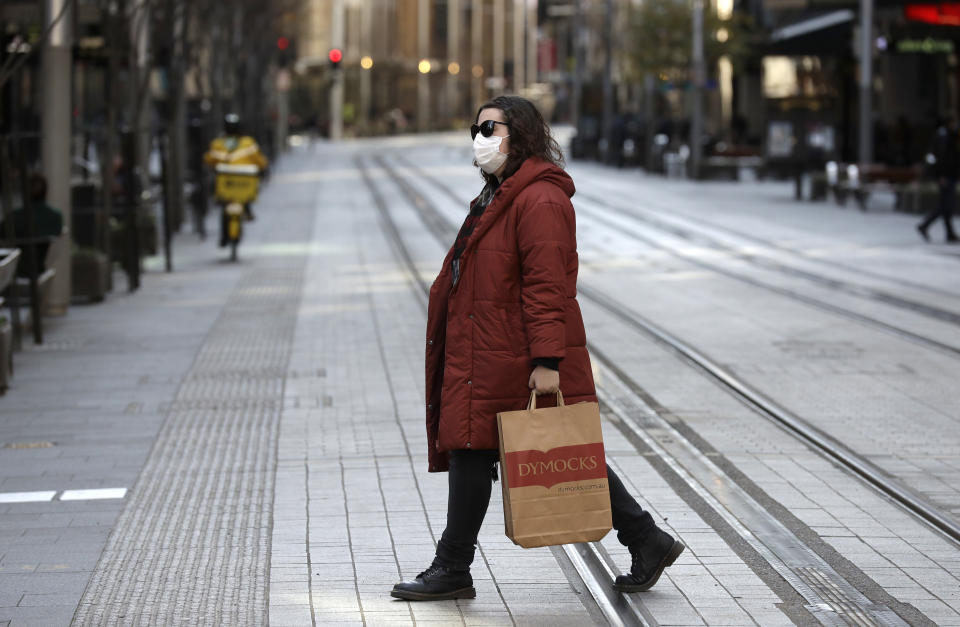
471,479
948,198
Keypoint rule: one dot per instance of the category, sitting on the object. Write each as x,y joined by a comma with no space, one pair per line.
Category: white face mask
486,150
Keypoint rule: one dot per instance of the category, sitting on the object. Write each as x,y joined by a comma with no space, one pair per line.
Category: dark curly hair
529,134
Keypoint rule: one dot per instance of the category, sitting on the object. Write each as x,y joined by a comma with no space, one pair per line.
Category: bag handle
532,404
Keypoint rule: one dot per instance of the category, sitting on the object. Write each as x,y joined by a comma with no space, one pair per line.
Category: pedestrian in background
47,222
503,319
944,161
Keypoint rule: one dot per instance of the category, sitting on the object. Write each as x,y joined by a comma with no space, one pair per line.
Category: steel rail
900,332
658,209
839,285
768,408
922,340
760,403
837,603
590,565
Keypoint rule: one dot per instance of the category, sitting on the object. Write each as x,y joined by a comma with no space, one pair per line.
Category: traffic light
286,50
336,56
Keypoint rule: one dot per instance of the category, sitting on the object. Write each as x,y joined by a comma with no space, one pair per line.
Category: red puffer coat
515,301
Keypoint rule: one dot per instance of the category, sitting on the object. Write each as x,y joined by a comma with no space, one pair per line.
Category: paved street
243,444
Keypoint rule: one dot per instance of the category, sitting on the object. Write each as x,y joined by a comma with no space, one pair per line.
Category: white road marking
89,495
27,497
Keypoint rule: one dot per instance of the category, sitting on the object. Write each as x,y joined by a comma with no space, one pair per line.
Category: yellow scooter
236,186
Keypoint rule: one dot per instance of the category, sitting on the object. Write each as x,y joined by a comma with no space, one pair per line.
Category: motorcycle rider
234,148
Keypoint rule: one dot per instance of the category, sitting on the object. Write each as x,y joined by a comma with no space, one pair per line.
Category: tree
659,39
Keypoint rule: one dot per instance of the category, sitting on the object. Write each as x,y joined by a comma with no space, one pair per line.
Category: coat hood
531,171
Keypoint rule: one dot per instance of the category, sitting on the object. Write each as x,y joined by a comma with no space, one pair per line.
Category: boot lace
430,572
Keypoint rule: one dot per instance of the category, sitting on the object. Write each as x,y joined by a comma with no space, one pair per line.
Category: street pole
453,56
608,84
282,129
649,111
476,53
499,24
336,87
699,78
579,62
519,67
866,83
423,78
177,132
532,43
57,62
366,49
163,142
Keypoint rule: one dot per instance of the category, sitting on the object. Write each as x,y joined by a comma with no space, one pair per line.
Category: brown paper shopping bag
554,474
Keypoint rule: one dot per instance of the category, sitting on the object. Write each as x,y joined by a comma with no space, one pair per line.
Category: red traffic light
336,55
283,43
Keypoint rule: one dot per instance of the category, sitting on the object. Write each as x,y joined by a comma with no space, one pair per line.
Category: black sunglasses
485,129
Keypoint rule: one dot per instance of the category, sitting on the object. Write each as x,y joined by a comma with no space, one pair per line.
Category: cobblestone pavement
255,430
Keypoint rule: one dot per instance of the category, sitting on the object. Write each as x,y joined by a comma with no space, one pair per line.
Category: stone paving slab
403,332
799,480
352,490
100,389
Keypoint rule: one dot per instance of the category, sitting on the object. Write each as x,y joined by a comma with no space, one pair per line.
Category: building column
499,26
476,53
532,44
699,80
519,67
56,134
423,52
366,49
866,83
453,58
580,60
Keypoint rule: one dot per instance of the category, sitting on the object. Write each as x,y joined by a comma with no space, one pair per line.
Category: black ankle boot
437,583
650,558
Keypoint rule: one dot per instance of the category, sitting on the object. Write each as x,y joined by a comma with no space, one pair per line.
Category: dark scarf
477,207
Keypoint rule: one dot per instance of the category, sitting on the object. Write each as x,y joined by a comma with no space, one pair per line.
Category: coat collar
532,170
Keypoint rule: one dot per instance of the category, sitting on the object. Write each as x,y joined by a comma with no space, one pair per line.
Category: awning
825,34
812,25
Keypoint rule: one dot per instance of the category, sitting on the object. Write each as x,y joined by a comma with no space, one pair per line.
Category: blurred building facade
411,64
812,64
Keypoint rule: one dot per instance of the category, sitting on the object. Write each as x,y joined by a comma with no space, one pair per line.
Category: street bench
846,180
732,166
9,258
35,290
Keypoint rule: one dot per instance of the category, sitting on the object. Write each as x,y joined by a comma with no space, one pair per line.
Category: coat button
430,342
429,406
469,382
468,445
471,316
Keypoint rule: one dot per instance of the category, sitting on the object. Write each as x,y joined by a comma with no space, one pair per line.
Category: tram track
817,303
827,595
860,291
756,400
655,218
590,563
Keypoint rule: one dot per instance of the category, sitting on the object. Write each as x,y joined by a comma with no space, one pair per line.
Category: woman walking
503,319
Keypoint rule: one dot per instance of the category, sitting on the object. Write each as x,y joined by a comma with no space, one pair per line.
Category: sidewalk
262,424
83,412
